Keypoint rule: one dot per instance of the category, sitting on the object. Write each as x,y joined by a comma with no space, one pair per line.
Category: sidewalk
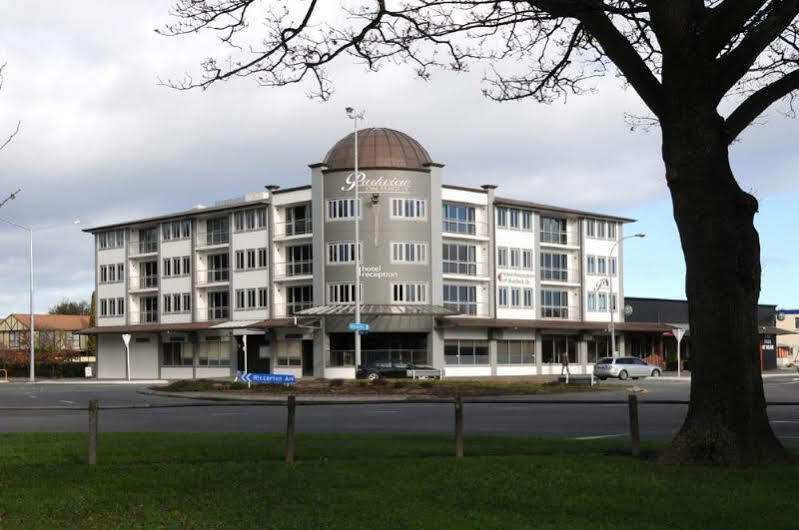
686,375
21,381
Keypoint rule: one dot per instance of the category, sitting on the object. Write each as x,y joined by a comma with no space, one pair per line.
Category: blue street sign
359,326
282,379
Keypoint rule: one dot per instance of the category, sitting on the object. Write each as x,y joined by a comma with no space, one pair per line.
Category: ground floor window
214,352
466,352
289,352
378,347
515,352
554,347
177,354
598,347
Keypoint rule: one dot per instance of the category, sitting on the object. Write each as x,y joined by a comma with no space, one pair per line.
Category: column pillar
539,350
492,351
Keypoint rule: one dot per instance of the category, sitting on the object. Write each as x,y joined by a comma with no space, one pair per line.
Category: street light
355,116
610,285
30,230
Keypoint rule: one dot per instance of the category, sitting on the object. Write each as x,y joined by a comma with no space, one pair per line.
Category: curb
203,396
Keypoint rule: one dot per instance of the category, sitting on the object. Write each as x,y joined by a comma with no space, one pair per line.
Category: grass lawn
223,480
381,387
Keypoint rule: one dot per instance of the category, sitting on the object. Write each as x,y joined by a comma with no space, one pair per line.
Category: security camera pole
355,116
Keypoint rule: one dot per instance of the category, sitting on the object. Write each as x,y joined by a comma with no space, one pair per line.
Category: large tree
686,59
72,307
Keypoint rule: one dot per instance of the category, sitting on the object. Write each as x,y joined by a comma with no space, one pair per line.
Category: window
167,270
176,303
298,220
603,302
112,306
148,240
409,208
186,302
515,352
343,252
261,258
554,304
218,268
176,354
514,218
299,260
403,252
459,259
239,298
461,298
149,275
515,297
515,258
298,298
591,267
289,353
555,347
218,305
148,309
217,231
120,306
110,240
262,300
600,229
502,257
341,293
502,217
554,267
112,274
409,293
251,299
248,220
465,352
186,265
590,228
528,298
600,265
338,209
591,302
120,272
239,260
167,303
553,230
527,220
502,295
459,219
527,259
176,266
611,230
175,230
251,258
103,274
213,352
612,266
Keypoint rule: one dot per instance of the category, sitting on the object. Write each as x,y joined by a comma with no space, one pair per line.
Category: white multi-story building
458,278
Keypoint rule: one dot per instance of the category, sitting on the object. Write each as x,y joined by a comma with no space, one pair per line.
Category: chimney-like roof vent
272,187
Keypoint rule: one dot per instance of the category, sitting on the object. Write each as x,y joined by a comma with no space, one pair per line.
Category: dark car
393,370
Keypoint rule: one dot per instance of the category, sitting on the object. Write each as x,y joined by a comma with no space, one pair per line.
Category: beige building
788,344
52,334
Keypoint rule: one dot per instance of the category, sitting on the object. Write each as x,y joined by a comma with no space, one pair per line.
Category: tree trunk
727,422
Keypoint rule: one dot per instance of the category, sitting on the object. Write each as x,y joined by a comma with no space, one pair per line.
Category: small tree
682,57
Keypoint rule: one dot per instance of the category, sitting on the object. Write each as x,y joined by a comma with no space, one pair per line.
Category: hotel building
462,279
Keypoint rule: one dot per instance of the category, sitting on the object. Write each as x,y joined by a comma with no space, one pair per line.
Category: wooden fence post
458,427
94,407
635,433
290,414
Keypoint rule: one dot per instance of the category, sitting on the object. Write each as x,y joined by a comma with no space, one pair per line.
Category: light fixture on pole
32,326
610,285
355,116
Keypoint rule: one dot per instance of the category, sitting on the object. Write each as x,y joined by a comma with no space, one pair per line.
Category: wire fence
291,403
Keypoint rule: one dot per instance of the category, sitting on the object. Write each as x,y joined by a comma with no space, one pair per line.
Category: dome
378,148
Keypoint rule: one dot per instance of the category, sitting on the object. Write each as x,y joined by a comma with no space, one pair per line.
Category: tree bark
727,423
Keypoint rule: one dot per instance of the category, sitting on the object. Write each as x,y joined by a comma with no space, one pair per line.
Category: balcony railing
292,308
209,276
213,238
568,275
290,269
465,268
218,313
143,282
148,317
137,248
468,308
458,227
559,312
298,227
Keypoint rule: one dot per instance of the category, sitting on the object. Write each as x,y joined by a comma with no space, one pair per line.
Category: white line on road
228,414
67,401
784,421
600,436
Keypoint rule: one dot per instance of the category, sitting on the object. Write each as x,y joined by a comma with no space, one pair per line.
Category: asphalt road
658,422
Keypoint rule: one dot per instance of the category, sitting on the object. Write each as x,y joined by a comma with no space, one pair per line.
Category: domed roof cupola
378,148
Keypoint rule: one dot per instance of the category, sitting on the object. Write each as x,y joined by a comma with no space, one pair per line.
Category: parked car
625,367
393,370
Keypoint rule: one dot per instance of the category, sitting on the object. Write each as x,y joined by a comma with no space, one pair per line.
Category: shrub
336,382
379,382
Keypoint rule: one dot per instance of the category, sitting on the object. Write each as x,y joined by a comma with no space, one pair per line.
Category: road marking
382,411
599,437
67,401
784,421
228,414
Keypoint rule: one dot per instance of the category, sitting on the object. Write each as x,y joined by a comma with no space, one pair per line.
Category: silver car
624,367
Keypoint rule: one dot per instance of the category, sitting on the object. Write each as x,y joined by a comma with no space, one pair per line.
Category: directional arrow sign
359,326
281,379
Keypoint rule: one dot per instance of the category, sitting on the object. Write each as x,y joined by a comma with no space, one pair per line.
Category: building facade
459,278
58,337
788,342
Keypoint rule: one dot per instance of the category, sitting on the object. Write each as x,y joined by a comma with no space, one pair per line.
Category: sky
101,141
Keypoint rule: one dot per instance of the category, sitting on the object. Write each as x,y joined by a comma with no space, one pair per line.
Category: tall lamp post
610,285
30,230
355,116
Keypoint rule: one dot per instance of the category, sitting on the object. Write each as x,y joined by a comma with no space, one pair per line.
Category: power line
10,197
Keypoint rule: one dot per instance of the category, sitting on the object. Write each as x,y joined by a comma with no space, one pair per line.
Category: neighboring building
661,347
454,277
58,335
788,343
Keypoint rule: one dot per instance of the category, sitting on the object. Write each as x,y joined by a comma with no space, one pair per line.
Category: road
658,422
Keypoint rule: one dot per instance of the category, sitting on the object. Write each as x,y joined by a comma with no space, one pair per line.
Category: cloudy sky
101,141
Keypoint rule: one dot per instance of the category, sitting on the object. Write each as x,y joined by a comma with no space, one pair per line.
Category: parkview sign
377,184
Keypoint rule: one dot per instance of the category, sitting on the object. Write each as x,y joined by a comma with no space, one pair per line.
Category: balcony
297,229
464,229
294,270
217,313
212,239
473,270
560,312
143,283
469,309
560,276
142,248
212,277
147,317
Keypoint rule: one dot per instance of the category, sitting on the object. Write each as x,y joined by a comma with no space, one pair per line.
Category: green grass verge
338,481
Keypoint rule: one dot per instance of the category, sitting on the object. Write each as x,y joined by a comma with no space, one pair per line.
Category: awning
572,325
378,309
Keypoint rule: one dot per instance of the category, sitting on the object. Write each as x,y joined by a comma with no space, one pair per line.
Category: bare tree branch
758,102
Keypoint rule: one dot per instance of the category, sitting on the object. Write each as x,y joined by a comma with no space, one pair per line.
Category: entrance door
307,358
